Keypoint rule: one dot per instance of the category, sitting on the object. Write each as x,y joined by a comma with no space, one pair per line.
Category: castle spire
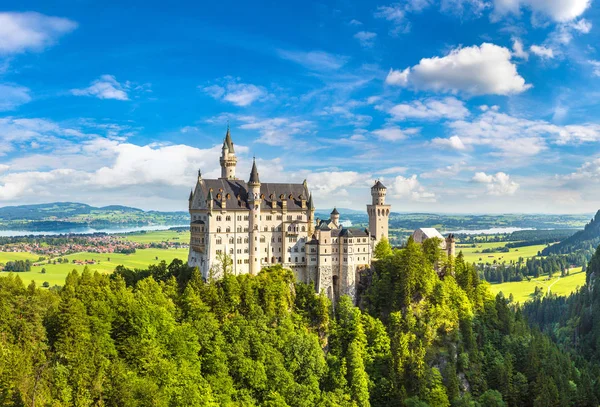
228,141
254,174
310,202
228,159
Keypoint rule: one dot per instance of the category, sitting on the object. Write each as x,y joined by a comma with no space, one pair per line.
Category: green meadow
523,290
474,255
105,263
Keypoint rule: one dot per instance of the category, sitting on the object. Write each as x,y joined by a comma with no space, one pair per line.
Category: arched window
218,218
304,228
219,241
218,230
227,229
239,240
228,218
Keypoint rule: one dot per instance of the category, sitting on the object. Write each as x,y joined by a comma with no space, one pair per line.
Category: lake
490,231
87,230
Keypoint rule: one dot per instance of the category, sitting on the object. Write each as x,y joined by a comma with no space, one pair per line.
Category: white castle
257,224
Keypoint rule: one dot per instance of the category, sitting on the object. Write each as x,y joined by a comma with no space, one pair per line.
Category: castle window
230,251
304,228
272,228
302,249
296,259
269,217
282,197
289,259
279,239
219,197
239,217
279,217
227,229
228,218
296,249
239,240
246,250
303,260
239,229
218,218
239,251
245,229
289,217
239,261
218,230
246,217
299,217
246,240
266,228
262,239
219,241
219,251
231,240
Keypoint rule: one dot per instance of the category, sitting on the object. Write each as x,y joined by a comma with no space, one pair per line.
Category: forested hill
165,337
54,216
585,240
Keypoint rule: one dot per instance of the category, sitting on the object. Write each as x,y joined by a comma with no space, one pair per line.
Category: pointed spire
254,174
209,197
310,202
335,211
191,195
228,141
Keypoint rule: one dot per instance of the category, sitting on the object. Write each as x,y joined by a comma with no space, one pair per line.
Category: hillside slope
585,240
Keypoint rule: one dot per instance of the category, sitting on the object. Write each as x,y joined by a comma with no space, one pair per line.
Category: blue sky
456,105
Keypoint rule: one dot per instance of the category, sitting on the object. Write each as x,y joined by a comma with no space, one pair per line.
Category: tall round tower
228,159
378,212
254,201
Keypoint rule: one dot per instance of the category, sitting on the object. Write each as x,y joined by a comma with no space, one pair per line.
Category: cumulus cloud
106,87
12,96
557,10
410,187
453,143
588,172
430,109
476,70
498,184
314,60
595,67
22,32
366,38
542,52
235,92
393,133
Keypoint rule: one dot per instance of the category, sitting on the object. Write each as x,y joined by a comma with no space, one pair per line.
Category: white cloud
595,67
12,96
395,14
431,109
398,78
453,142
4,168
278,131
409,187
354,22
518,50
106,87
588,172
366,38
498,184
541,51
239,94
448,171
392,170
482,70
394,133
557,10
21,32
315,60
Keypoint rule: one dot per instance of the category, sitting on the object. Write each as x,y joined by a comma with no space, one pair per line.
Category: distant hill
586,240
62,215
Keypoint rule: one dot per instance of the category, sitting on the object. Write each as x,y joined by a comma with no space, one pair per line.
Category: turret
451,245
378,212
311,214
254,202
228,159
335,217
190,199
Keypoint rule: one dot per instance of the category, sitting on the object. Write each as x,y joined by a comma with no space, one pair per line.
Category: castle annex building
257,224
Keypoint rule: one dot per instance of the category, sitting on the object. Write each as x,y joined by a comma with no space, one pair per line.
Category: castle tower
451,245
378,212
254,202
311,215
335,217
228,159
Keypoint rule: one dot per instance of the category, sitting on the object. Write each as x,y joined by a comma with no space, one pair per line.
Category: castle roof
335,211
379,185
235,193
311,205
228,141
354,232
254,174
422,234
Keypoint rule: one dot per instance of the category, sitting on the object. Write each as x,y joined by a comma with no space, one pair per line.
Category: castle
255,224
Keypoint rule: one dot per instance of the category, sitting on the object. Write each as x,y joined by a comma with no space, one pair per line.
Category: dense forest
584,241
165,337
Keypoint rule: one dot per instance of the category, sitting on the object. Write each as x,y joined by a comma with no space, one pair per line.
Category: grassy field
10,256
159,236
523,290
56,273
472,257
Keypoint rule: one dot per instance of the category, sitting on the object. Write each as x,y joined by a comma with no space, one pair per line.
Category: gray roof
238,194
379,185
254,174
354,232
228,141
335,211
